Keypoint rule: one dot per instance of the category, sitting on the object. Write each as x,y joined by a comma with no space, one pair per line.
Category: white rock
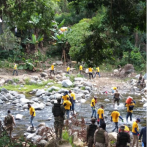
116,72
29,137
137,76
59,62
40,92
24,101
106,100
66,83
112,136
145,105
37,106
53,88
79,79
18,117
2,81
83,100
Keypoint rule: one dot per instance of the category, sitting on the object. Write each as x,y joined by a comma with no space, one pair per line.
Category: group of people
123,137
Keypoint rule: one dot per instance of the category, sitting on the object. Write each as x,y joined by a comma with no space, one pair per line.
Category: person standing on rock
100,114
135,132
52,70
58,111
68,69
115,115
97,72
65,96
122,138
101,138
90,132
117,97
73,99
9,123
90,73
32,114
15,69
67,104
81,68
93,102
130,110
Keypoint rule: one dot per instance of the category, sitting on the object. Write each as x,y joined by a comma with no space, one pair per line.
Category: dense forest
98,32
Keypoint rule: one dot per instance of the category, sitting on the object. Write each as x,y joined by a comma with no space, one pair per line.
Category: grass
66,136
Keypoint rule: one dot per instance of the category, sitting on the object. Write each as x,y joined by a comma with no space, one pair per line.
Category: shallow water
84,110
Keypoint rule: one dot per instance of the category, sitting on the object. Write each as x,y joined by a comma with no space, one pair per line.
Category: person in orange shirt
32,114
52,69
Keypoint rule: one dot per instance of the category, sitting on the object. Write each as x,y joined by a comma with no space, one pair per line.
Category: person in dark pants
115,115
130,110
90,133
143,133
52,70
117,97
100,114
72,99
122,138
90,73
15,69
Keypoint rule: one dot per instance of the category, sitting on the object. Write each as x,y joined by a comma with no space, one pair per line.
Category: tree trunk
136,39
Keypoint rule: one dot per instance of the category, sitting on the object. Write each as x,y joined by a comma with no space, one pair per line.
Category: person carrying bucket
130,103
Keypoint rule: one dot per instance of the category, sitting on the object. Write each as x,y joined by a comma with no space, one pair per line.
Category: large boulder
59,62
40,92
116,72
66,83
127,69
3,98
18,117
38,106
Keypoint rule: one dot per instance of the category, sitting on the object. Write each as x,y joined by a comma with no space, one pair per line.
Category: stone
41,124
32,81
29,137
4,90
43,74
18,117
62,90
14,93
3,98
88,88
66,83
24,101
83,101
79,79
2,81
137,76
116,72
9,81
42,143
38,106
19,96
35,78
87,84
30,130
40,92
15,101
86,71
57,95
76,140
127,69
53,88
112,136
35,138
9,96
107,100
48,84
48,104
145,105
1,102
59,62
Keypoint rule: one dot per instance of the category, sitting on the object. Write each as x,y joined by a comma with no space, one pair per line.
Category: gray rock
18,117
88,88
32,81
3,98
35,99
29,136
24,101
62,90
45,98
36,138
9,96
42,143
106,100
48,84
87,84
33,91
57,95
20,96
43,74
66,83
4,90
14,93
79,79
1,102
38,106
53,88
35,78
2,81
59,62
48,104
40,92
15,101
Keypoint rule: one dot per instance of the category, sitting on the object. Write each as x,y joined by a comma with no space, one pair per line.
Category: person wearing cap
113,89
100,114
68,69
115,115
130,107
9,123
80,68
101,138
90,72
93,102
52,69
90,132
97,72
135,132
65,96
32,115
58,111
72,100
67,104
143,133
122,138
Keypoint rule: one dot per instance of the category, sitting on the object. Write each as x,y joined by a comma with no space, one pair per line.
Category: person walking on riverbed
32,114
100,114
58,111
90,73
80,68
115,115
15,69
52,70
117,97
135,132
67,104
72,100
9,123
93,102
97,72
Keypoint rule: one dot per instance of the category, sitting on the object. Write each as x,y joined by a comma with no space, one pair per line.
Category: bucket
128,100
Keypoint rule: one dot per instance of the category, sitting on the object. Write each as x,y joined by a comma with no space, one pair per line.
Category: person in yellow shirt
97,72
93,102
52,69
65,96
81,68
15,69
100,115
67,104
90,72
72,100
115,115
32,114
68,69
135,132
130,110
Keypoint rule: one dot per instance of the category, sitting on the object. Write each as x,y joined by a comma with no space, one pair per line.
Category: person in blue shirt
143,133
